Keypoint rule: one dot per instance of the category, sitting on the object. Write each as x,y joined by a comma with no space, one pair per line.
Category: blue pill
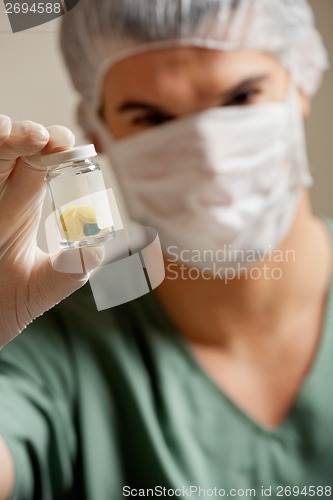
91,229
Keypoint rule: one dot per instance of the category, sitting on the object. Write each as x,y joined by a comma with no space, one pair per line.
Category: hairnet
97,33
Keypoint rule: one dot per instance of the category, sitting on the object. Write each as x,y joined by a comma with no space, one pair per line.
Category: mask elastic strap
92,123
300,173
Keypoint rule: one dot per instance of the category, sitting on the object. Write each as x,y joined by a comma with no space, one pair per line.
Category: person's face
152,88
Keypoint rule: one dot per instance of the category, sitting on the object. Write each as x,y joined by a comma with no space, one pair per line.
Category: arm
7,471
38,448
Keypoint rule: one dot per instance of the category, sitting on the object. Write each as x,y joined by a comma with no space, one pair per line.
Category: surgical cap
98,33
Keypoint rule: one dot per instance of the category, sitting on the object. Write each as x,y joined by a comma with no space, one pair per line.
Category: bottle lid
74,154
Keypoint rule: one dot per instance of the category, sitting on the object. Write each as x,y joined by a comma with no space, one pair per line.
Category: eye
151,119
244,98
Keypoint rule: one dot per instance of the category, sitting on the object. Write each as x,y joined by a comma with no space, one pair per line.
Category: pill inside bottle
79,198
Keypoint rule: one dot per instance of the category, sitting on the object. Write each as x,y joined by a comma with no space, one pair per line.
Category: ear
97,143
305,103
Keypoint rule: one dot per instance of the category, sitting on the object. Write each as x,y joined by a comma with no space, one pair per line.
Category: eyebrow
228,95
135,105
243,86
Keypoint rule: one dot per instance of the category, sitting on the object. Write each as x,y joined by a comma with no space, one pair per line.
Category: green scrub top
112,405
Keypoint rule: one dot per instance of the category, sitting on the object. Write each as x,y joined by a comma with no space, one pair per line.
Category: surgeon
220,382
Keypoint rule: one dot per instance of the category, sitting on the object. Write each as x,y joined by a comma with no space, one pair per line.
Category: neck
292,279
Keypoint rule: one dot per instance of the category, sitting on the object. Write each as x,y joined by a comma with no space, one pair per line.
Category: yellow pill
69,212
74,228
86,215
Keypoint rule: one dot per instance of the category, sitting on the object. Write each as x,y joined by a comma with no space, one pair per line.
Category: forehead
171,70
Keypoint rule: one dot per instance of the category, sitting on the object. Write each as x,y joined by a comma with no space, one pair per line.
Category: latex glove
29,283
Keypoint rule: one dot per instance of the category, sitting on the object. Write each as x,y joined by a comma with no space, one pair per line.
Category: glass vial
79,199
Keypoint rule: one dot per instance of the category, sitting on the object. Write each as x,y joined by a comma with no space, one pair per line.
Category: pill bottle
78,196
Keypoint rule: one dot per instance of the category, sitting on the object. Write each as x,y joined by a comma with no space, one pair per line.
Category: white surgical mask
224,180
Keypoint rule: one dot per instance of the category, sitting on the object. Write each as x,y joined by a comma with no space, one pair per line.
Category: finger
25,138
5,128
61,139
25,186
28,176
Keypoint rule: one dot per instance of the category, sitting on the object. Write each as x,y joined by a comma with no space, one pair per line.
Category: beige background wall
320,124
34,85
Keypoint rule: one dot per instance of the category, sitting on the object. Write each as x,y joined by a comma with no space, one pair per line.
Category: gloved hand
29,282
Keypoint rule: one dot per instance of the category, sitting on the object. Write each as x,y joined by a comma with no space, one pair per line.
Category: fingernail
40,134
5,126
